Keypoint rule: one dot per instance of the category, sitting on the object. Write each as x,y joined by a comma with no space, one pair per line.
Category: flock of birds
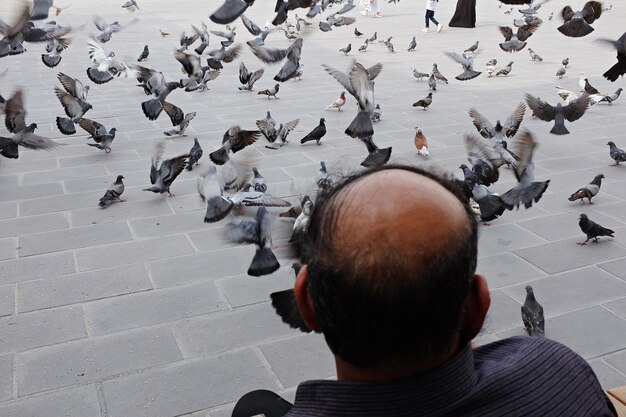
232,180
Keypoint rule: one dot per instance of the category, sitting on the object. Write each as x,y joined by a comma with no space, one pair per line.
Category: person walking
371,6
464,15
431,6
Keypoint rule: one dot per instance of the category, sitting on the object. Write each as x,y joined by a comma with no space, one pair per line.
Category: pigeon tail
616,70
263,263
200,49
66,126
8,148
559,128
467,75
50,61
576,28
525,194
217,208
361,126
219,157
98,77
284,302
108,198
377,158
152,108
155,189
512,46
491,207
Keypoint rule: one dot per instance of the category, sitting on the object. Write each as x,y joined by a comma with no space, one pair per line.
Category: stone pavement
142,309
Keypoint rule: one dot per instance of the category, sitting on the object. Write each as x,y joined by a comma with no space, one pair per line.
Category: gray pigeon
412,45
578,24
499,131
270,92
592,229
532,314
377,114
113,193
323,179
203,35
195,153
282,133
472,48
534,56
247,78
514,42
252,27
491,205
284,302
144,54
565,62
467,63
432,83
347,6
131,6
107,29
182,127
506,70
234,140
73,102
230,10
259,183
424,102
54,48
571,112
588,191
347,49
256,231
163,174
363,48
291,56
438,75
99,133
376,157
610,98
617,154
302,222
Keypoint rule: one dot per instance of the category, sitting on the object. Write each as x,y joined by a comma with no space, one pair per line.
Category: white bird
338,104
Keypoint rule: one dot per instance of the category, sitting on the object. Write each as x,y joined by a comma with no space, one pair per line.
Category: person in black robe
465,14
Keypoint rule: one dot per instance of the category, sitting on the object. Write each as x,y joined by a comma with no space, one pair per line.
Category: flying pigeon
282,132
131,6
195,153
592,229
291,56
104,66
107,29
284,302
514,42
234,140
617,154
619,69
578,24
54,48
376,157
73,103
467,63
571,112
99,134
316,134
483,159
182,127
230,10
144,54
532,314
163,174
252,27
247,78
499,131
588,191
113,193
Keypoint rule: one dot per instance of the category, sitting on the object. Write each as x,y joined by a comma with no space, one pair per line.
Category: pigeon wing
484,127
95,129
250,25
540,108
507,32
576,108
175,113
171,168
268,55
244,138
15,114
514,121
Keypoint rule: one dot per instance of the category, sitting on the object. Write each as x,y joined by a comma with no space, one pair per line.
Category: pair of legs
263,402
430,15
374,8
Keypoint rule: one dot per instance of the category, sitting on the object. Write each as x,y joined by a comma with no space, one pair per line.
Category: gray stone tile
562,293
566,254
41,328
609,378
153,307
6,377
507,269
168,224
618,361
119,212
609,331
7,297
203,266
25,192
70,402
218,332
132,252
74,238
504,313
243,289
62,174
565,225
8,248
187,386
25,225
8,210
300,358
496,239
36,267
94,359
82,287
618,307
58,202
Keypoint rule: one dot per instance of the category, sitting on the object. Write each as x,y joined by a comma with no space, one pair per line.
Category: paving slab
70,402
6,377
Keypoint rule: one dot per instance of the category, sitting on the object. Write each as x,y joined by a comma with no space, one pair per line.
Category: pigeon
131,6
291,56
144,54
373,38
183,125
316,134
514,42
491,63
104,66
506,70
490,205
23,135
247,78
338,104
619,69
357,33
588,191
363,48
294,211
323,178
161,89
560,72
195,153
347,6
186,41
376,157
247,196
438,75
229,36
106,29
99,133
54,48
203,35
75,107
569,96
419,75
282,7
551,16
499,131
578,24
325,26
534,56
472,48
424,102
230,10
267,127
163,33
347,49
252,27
259,183
389,46
421,144
163,174
284,302
376,115
302,222
618,155
412,45
270,92
483,159
532,314
589,89
359,83
282,132
234,140
527,190
565,62
571,112
113,193
432,83
193,68
610,98
256,231
592,229
467,63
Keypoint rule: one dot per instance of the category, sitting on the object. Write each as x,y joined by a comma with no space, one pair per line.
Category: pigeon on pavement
259,183
588,191
618,155
346,50
610,98
424,102
113,193
270,92
195,153
316,134
592,229
163,174
532,314
412,45
337,104
506,70
282,132
472,48
420,142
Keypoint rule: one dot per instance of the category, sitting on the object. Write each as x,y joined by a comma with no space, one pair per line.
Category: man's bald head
390,256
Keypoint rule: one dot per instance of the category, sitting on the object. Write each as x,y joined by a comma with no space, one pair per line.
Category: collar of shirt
429,391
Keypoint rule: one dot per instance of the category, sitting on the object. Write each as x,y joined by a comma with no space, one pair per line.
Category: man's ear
475,309
304,300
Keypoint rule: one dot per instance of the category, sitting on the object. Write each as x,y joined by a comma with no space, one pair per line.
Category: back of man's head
390,258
